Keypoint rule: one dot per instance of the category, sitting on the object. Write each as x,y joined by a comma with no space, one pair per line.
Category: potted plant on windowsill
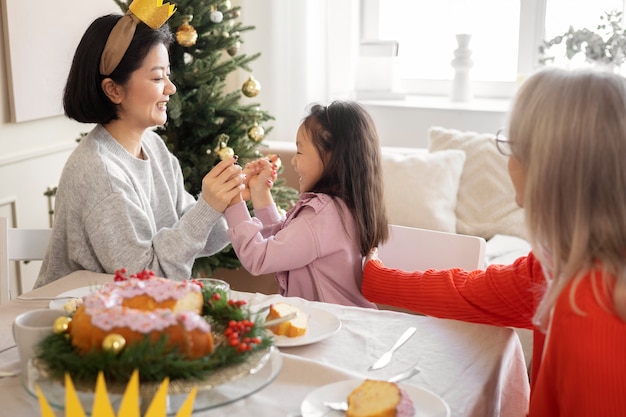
606,46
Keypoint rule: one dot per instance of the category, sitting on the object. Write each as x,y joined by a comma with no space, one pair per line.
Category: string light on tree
186,35
251,87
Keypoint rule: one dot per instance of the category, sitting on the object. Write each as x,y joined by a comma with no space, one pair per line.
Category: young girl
566,148
317,250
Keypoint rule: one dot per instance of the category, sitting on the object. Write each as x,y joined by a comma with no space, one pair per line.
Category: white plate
322,324
64,297
426,403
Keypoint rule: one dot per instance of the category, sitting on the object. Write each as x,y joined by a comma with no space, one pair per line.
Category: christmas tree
206,122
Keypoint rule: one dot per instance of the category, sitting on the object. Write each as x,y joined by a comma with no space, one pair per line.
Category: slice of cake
290,328
375,398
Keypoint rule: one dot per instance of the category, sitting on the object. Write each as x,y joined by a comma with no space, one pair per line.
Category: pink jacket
314,251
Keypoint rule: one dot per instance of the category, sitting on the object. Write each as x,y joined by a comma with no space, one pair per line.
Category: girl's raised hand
223,183
261,167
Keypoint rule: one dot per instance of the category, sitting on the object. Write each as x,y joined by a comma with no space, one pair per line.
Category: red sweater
583,369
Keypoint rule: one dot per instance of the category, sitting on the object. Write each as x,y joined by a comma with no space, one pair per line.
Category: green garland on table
154,360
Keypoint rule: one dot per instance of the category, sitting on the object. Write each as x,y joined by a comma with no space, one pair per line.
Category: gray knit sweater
115,211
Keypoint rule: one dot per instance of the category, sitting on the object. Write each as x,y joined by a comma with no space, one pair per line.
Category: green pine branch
202,113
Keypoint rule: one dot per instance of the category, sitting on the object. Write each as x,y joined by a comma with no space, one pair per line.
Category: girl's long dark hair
346,139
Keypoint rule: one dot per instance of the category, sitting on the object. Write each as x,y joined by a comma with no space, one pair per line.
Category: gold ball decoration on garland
186,35
256,133
61,324
251,87
114,343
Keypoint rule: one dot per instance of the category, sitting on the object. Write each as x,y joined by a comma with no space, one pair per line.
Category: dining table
476,370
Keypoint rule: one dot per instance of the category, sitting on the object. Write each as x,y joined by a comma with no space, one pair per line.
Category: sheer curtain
308,51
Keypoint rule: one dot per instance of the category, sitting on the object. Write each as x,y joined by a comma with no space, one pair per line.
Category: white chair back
18,245
413,249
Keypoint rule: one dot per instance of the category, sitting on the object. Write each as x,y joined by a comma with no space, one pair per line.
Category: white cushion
421,188
486,199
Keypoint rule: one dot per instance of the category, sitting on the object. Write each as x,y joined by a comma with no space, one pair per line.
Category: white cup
30,328
215,283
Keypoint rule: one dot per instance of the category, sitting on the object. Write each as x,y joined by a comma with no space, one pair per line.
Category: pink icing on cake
405,408
107,313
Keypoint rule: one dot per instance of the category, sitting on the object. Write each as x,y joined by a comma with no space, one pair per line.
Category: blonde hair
568,130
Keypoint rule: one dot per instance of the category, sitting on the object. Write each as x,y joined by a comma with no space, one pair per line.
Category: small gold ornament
186,35
225,152
251,87
227,5
232,51
114,343
222,150
256,133
61,324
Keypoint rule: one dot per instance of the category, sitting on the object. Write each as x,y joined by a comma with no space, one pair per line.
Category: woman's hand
223,184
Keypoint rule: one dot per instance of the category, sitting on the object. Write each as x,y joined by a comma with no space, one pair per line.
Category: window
506,35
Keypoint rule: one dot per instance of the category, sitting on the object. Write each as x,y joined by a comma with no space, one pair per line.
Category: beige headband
117,43
152,12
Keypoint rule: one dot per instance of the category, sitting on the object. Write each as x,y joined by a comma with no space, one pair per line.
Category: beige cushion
486,199
421,188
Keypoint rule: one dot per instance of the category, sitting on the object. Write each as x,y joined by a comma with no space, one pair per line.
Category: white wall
308,52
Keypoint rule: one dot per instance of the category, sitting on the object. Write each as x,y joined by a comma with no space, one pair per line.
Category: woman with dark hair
121,200
318,249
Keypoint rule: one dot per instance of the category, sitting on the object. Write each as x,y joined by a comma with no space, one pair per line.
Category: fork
343,405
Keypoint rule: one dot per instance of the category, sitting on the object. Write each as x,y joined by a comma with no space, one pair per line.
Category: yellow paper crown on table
129,406
152,12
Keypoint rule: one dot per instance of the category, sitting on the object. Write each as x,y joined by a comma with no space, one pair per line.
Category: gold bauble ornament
114,343
222,150
186,35
225,152
251,87
256,133
61,324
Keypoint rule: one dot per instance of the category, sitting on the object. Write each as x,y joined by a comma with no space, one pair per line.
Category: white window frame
532,30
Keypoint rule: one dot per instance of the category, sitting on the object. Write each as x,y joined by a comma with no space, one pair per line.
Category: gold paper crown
129,406
152,12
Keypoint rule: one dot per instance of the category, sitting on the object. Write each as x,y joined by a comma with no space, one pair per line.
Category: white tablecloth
478,370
